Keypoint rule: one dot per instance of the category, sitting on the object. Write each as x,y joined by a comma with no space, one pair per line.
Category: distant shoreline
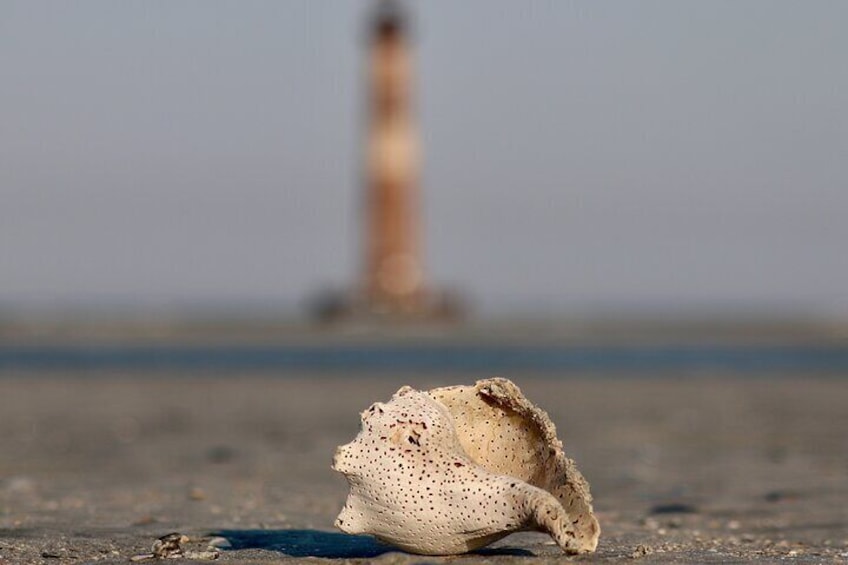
103,329
432,358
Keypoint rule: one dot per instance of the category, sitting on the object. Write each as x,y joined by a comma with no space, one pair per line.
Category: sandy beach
94,468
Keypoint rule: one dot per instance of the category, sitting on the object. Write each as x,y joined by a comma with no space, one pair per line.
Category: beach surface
95,468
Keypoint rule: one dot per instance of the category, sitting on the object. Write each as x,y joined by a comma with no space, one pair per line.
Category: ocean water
750,359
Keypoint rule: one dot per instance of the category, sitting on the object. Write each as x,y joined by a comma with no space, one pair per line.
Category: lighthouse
393,277
391,285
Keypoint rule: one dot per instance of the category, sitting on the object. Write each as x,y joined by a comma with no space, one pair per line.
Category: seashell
453,469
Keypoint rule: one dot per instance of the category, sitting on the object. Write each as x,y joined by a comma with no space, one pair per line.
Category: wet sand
95,468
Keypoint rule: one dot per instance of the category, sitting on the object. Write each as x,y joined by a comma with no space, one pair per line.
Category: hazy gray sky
577,155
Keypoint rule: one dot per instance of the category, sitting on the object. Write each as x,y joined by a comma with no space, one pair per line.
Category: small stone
650,523
220,542
641,551
19,485
674,523
145,521
169,545
206,555
196,493
733,525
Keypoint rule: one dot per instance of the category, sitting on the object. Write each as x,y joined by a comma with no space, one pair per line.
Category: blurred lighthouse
393,275
392,284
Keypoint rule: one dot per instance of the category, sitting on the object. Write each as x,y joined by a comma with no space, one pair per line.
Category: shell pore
452,469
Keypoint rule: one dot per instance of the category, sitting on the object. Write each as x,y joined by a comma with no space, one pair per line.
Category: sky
578,156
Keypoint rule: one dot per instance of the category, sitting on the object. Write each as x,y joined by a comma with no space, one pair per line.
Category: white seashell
453,469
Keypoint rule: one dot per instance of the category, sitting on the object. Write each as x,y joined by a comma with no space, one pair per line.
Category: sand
94,468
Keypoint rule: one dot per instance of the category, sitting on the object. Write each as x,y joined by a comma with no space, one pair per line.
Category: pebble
220,543
145,521
20,485
650,523
170,547
205,555
641,551
196,493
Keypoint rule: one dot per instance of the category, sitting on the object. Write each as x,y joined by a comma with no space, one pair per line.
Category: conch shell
453,469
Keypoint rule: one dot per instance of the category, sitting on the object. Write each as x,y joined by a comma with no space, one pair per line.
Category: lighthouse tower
391,285
393,277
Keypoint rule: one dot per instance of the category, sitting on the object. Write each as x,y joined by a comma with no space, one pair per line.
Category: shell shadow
318,543
306,543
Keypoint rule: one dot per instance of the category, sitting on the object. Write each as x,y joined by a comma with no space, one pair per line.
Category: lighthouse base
359,308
